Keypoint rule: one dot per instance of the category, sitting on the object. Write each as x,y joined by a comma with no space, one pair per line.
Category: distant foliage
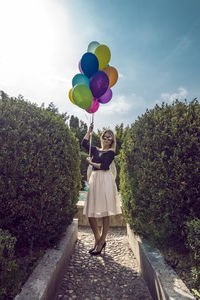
160,167
78,127
39,172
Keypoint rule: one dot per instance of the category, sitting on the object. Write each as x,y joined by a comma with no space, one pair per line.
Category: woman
102,199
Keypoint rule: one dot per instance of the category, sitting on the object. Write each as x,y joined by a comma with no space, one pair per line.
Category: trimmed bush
8,265
193,243
193,237
160,166
39,172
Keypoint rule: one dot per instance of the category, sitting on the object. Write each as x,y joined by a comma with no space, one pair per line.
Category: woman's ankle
97,238
101,241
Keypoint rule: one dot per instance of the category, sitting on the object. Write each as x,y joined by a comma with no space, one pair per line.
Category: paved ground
111,276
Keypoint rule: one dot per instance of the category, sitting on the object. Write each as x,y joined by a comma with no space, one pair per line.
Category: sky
154,45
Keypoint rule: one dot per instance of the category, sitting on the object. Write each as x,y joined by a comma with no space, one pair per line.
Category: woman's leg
95,229
106,225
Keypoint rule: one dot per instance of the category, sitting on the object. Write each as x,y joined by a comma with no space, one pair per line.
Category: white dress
102,198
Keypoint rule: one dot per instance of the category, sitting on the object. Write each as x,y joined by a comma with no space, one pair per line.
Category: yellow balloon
70,96
103,55
112,75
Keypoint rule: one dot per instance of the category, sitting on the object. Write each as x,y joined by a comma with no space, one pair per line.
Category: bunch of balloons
92,85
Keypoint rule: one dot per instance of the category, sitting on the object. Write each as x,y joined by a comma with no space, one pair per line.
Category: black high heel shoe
98,252
92,249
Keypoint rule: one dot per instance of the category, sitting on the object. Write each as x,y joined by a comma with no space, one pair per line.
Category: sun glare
28,34
33,34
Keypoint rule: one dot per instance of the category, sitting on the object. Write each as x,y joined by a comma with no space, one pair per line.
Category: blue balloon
80,79
89,64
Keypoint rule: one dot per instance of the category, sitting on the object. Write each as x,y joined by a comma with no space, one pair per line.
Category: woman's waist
95,169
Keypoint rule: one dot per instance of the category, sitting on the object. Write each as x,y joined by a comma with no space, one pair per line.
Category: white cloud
181,94
121,105
117,105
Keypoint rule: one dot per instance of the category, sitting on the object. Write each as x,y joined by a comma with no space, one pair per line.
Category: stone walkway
110,276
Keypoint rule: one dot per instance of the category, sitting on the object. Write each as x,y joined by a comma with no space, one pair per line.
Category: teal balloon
82,96
80,79
92,46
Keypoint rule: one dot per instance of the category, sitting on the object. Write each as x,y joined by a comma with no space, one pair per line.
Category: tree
74,122
52,108
79,128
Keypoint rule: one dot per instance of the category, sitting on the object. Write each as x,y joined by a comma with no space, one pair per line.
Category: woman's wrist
95,165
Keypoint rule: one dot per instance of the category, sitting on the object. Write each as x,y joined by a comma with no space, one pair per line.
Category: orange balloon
112,75
70,96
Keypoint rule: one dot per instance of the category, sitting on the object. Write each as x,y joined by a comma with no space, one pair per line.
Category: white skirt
102,198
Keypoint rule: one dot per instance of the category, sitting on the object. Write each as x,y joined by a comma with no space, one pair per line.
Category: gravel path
110,276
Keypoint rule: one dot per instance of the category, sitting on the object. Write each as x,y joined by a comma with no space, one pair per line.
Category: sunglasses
107,138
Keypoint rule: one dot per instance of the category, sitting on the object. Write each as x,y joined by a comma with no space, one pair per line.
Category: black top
104,157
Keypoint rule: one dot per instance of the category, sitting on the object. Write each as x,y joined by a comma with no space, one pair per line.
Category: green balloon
82,96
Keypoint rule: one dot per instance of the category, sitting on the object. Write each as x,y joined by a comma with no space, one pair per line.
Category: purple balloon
99,84
105,98
94,107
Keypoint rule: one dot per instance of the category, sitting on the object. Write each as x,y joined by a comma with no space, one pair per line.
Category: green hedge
8,265
193,243
160,167
40,172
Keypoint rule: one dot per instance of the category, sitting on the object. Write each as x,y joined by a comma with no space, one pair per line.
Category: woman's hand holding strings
89,160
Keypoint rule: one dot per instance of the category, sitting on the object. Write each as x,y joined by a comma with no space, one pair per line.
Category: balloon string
91,135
